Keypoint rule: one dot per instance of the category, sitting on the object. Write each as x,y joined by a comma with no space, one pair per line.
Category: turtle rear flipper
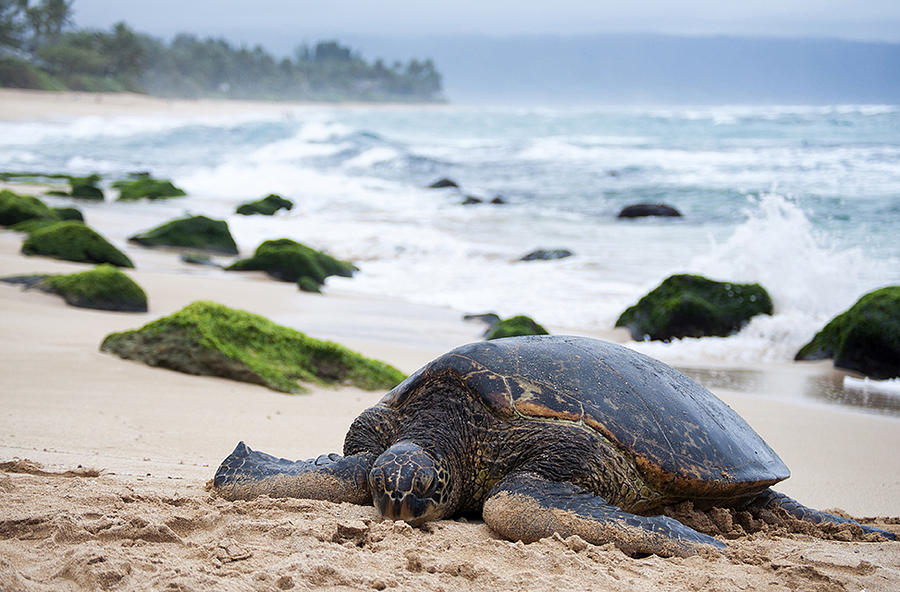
524,506
248,473
772,499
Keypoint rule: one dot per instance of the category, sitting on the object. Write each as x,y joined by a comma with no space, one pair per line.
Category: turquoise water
805,200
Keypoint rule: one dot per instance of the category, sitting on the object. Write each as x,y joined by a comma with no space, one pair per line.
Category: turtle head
408,483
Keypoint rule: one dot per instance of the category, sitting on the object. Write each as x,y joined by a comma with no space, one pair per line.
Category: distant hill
627,68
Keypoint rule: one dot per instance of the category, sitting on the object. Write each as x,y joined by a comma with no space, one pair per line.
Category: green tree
12,23
47,20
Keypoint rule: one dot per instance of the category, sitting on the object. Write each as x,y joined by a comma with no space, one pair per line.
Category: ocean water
804,200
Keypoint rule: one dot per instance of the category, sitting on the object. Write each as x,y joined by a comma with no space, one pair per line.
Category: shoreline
146,522
825,446
26,104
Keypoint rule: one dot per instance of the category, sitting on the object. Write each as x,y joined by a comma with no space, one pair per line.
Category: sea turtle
540,434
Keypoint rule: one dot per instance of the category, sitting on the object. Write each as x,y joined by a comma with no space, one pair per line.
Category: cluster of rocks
639,210
205,337
468,200
62,234
138,185
864,339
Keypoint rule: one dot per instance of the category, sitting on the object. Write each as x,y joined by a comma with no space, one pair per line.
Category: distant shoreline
25,104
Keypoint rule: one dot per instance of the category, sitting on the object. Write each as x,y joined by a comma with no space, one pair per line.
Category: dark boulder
266,206
442,183
471,200
516,326
694,306
196,232
547,254
644,210
498,200
865,338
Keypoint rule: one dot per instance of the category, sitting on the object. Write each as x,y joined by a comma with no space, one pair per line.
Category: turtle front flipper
248,473
524,506
772,499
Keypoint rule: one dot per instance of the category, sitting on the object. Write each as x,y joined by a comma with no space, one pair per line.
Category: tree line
40,49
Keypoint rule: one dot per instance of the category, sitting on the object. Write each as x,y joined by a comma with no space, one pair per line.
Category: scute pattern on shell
681,435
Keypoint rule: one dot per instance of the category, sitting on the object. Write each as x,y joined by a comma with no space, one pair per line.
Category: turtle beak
407,507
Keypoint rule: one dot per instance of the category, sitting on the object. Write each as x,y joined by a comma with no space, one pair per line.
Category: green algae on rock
308,284
15,208
104,288
29,226
208,338
864,338
86,187
73,241
516,326
143,186
69,214
266,206
694,306
196,232
289,261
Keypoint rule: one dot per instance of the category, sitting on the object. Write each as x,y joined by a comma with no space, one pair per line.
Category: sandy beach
105,461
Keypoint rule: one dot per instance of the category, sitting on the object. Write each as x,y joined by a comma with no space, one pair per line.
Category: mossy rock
694,306
196,232
104,288
68,214
140,187
29,226
86,187
15,208
266,206
207,338
308,284
515,327
73,241
865,338
288,261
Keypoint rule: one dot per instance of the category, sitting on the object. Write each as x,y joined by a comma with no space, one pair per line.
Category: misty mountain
630,68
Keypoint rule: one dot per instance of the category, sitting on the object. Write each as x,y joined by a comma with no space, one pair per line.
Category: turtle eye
424,483
376,479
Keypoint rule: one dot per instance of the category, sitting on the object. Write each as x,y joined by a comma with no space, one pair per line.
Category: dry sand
20,104
147,523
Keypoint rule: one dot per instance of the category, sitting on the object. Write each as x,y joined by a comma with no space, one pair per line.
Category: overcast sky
256,21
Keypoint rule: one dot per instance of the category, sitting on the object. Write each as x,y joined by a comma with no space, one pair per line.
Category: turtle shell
682,436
